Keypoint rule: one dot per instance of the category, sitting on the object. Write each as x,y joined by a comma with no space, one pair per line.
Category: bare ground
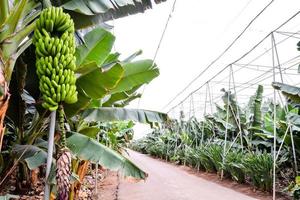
166,181
108,187
170,182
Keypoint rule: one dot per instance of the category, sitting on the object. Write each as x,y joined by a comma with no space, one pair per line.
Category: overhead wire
256,80
287,34
238,15
218,57
159,44
237,60
265,52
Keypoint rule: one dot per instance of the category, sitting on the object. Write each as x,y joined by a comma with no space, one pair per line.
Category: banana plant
253,110
88,13
257,122
102,77
116,135
254,116
17,23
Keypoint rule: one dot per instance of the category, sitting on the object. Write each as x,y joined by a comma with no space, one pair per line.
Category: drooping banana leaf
85,148
294,120
8,197
89,149
33,156
123,114
93,12
291,92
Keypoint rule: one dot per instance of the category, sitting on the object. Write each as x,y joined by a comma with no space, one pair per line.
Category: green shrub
204,160
215,154
258,166
234,165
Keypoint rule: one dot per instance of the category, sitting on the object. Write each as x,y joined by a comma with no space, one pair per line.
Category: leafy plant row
246,155
105,85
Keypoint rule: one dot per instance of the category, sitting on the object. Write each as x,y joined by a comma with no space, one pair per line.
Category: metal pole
227,119
96,174
274,127
292,138
285,105
237,117
211,105
50,153
201,143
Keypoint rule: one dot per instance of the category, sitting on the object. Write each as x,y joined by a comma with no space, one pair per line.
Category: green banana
55,62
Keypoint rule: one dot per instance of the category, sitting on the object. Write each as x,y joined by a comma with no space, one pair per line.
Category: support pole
190,107
292,137
193,107
167,150
274,126
96,174
274,149
227,119
50,153
204,113
285,104
210,95
237,117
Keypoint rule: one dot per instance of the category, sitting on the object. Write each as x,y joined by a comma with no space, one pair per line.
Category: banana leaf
32,155
253,110
8,197
291,92
136,74
106,114
96,49
98,83
87,148
93,12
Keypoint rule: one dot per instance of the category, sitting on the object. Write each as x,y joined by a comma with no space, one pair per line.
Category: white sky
197,33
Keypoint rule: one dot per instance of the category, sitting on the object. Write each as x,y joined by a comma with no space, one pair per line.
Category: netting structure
265,63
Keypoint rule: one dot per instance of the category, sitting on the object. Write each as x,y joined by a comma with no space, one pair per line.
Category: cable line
237,60
215,60
159,43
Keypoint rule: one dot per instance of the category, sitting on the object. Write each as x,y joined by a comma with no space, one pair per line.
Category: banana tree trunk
4,98
81,171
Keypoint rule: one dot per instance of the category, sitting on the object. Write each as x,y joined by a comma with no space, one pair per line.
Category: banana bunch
55,47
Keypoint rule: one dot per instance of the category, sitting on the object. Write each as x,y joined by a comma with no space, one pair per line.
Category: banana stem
50,153
47,3
61,116
96,174
4,11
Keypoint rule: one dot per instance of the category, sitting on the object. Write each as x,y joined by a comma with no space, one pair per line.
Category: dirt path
168,182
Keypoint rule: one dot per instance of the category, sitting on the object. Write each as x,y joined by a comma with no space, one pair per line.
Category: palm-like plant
256,122
17,22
